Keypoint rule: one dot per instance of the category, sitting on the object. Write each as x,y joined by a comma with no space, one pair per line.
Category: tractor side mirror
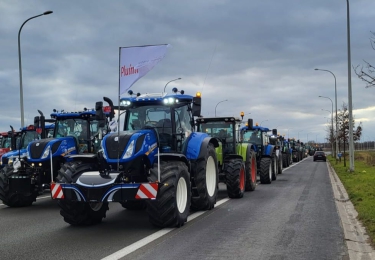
274,131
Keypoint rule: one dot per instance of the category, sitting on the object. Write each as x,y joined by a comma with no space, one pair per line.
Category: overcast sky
258,55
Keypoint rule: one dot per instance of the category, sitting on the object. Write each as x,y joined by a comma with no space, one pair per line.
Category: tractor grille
139,143
115,148
37,148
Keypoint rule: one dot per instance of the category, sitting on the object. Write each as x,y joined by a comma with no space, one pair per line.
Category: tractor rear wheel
206,181
15,198
171,207
265,170
251,170
78,213
235,178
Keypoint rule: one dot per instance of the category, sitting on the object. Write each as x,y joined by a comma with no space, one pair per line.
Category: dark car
319,155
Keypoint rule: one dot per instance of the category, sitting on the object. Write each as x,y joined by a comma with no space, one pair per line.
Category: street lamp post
20,65
170,82
218,104
351,141
262,122
336,131
333,152
316,138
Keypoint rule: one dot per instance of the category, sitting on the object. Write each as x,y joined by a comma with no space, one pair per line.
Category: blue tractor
74,133
156,162
26,135
265,151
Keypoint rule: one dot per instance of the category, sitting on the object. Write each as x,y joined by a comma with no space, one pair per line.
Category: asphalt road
295,217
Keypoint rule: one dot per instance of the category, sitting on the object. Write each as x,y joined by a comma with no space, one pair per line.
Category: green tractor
236,160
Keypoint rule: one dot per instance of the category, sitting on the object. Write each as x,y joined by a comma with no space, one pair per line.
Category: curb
354,233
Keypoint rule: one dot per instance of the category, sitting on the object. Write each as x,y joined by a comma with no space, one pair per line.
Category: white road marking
131,248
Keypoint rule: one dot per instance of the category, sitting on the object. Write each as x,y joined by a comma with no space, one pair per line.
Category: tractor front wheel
235,178
79,213
251,170
205,180
265,170
14,198
171,207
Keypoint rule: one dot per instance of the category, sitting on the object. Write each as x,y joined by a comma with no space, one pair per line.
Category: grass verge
360,186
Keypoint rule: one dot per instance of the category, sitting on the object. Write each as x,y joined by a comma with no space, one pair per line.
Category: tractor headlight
129,151
46,152
10,161
28,155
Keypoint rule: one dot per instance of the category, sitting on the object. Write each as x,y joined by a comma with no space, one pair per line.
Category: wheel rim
95,206
253,173
242,178
181,195
210,176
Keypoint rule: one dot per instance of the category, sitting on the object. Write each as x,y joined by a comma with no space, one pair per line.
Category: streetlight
218,104
170,82
262,122
20,66
351,141
298,133
333,152
336,134
316,138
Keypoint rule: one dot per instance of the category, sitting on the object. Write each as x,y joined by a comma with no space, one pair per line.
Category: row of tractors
165,158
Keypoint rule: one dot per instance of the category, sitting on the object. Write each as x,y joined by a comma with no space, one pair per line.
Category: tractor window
152,116
182,117
5,142
28,137
252,136
221,130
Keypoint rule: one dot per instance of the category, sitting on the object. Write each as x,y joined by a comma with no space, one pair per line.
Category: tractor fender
173,157
197,145
268,150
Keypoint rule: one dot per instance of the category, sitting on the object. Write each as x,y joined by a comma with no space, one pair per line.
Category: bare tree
343,125
367,72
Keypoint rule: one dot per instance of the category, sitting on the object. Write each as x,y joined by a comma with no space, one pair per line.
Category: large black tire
14,198
171,207
79,213
251,170
235,178
274,167
205,177
265,170
280,163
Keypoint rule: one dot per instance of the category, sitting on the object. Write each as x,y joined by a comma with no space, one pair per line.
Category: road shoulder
354,232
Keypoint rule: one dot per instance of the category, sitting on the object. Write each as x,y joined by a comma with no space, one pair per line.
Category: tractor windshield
28,137
76,127
221,130
5,142
252,136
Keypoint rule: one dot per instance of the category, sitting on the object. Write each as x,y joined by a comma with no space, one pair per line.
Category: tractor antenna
209,66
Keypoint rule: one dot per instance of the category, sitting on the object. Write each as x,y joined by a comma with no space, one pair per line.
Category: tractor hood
127,145
40,150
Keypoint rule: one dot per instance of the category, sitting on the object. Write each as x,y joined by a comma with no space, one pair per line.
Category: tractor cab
170,116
